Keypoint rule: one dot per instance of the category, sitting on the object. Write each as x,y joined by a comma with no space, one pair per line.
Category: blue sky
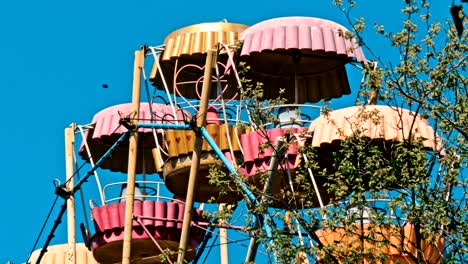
54,57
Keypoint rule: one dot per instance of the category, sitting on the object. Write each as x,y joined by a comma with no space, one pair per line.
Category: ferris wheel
206,162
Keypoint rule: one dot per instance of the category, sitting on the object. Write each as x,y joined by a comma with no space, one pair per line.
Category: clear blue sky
54,56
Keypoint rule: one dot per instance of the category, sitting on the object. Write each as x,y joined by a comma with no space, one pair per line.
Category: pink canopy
305,55
256,158
379,122
107,130
307,34
109,225
257,163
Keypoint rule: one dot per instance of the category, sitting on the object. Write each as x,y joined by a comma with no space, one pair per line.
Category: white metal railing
303,113
231,110
368,210
147,190
292,115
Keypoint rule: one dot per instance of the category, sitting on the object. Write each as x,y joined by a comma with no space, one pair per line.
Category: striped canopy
305,55
379,122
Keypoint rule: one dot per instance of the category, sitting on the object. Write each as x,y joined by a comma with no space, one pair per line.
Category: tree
430,79
385,198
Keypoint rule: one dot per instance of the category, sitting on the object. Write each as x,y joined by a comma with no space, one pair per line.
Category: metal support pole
202,246
138,220
164,126
277,153
265,219
51,235
252,250
77,187
201,122
98,164
69,167
132,156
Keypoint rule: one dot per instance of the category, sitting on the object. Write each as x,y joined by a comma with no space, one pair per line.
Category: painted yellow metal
182,61
199,38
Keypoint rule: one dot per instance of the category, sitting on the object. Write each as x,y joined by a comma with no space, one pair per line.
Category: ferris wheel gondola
306,56
107,128
182,61
381,126
161,221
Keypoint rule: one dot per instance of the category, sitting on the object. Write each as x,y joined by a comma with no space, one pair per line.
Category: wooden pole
69,170
201,122
223,241
132,156
374,95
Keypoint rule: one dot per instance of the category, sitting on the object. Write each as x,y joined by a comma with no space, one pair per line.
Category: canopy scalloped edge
375,122
303,33
199,38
